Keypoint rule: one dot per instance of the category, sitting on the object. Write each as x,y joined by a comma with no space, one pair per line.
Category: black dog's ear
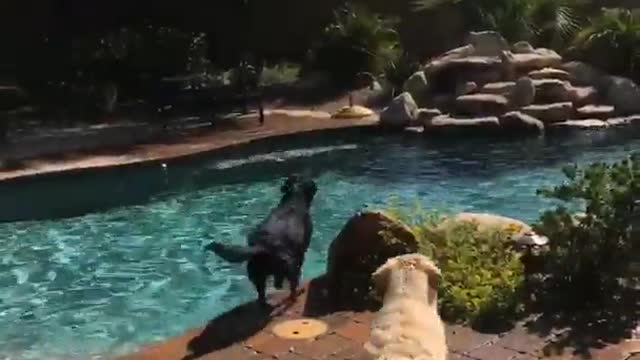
288,184
309,189
313,188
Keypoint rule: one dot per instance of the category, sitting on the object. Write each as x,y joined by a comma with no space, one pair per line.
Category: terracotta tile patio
246,333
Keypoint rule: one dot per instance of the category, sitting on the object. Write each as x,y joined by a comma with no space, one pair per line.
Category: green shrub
398,71
482,277
548,23
611,41
283,73
591,253
358,40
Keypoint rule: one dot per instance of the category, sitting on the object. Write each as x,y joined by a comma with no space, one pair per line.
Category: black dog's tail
234,253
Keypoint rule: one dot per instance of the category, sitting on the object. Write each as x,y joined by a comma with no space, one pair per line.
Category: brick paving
250,337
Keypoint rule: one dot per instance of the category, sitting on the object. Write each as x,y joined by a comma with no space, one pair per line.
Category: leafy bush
547,23
358,40
244,76
590,253
398,71
131,59
482,275
283,73
611,41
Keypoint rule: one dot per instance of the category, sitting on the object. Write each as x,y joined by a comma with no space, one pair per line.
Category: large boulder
457,53
507,65
583,95
503,88
486,221
549,73
416,85
522,47
366,241
520,233
624,120
402,112
539,59
550,113
582,74
445,124
426,115
365,79
622,93
523,93
445,102
480,69
601,112
443,60
551,90
465,88
487,43
517,122
453,69
579,124
481,104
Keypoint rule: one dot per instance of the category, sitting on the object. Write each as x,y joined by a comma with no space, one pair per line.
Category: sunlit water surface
111,280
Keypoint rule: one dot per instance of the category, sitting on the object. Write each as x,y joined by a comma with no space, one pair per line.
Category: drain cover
300,329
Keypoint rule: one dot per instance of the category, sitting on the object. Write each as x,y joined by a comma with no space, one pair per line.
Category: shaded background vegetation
73,53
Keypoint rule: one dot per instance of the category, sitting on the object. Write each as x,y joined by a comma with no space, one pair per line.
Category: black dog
278,245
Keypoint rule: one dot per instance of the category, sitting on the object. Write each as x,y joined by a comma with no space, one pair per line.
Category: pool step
551,112
599,112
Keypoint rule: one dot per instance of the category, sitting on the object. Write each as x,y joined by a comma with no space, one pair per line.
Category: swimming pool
104,262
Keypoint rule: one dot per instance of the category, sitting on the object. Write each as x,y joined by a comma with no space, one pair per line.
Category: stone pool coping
246,333
231,132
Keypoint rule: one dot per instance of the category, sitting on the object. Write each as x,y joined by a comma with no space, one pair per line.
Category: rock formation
519,88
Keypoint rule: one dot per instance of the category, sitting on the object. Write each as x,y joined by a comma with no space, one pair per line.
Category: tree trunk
4,127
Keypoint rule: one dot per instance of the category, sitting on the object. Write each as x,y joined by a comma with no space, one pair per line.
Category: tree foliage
357,40
544,22
611,40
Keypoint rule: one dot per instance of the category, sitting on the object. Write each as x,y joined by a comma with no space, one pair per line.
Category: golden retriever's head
416,261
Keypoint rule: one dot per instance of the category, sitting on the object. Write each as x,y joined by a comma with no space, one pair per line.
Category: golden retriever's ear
433,276
380,277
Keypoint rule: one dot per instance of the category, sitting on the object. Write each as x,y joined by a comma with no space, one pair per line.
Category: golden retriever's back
408,325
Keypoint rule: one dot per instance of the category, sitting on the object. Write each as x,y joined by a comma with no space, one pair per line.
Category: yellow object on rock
300,329
352,112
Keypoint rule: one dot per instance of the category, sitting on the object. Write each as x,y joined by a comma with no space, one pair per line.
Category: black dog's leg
261,289
293,278
258,277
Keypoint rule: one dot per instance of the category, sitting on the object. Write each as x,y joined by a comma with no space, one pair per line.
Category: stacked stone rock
488,85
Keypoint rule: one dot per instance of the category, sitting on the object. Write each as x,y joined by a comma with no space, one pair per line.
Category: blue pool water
103,263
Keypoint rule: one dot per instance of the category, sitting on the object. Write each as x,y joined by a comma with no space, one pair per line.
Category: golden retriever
408,325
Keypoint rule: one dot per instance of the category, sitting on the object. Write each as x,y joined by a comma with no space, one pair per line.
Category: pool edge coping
6,177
